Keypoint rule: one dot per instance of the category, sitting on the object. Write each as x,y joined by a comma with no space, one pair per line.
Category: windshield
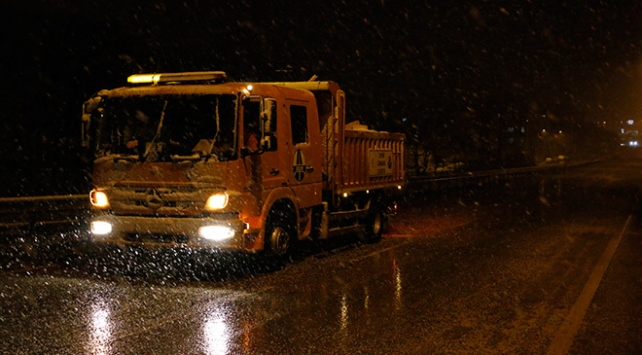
166,128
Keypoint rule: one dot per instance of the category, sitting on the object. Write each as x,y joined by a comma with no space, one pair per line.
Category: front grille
168,201
144,203
157,238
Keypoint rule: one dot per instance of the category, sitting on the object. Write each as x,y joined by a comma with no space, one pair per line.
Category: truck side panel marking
380,163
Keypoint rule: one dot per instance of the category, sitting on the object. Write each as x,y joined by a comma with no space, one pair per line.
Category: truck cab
191,160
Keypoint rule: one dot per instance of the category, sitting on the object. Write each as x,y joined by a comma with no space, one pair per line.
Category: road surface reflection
100,328
216,332
318,304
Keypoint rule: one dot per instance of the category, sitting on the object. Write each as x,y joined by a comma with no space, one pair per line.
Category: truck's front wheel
279,241
279,235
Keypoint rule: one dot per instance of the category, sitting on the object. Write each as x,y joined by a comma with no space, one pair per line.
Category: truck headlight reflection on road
101,329
216,233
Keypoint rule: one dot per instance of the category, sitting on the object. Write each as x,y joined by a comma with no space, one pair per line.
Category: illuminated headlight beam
101,227
217,201
99,199
216,233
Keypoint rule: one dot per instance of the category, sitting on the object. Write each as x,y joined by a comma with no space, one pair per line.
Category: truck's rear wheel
375,224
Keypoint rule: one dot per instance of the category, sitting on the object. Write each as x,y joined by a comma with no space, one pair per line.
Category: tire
279,236
375,224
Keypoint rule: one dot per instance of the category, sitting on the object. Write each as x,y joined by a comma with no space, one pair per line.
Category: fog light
216,233
100,227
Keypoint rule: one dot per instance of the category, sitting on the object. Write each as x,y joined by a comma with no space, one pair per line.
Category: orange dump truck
191,160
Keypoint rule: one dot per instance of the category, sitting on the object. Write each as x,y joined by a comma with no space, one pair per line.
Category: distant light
345,194
633,143
250,87
630,122
404,119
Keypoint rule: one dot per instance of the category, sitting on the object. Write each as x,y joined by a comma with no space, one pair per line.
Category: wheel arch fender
278,199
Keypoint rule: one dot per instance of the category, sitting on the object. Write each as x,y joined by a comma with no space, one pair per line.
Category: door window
299,116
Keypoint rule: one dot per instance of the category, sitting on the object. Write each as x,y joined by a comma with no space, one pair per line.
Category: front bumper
206,233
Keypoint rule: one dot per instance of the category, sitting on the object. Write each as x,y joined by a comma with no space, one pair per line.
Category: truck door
272,164
305,152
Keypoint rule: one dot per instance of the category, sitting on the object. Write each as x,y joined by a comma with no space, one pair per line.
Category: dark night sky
428,61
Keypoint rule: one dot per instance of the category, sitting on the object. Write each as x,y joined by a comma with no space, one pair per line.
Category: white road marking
563,340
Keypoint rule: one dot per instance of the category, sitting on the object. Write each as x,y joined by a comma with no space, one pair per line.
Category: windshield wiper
193,157
131,158
197,156
159,128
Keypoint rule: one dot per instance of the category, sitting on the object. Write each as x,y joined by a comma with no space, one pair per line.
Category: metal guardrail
34,230
27,214
38,229
23,214
449,181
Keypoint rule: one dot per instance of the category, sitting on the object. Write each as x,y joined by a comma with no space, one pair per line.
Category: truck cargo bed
371,160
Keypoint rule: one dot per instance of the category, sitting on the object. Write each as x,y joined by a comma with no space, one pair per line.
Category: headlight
98,199
216,233
217,201
100,227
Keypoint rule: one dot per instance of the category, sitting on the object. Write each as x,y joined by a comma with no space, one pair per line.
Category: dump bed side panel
354,159
371,160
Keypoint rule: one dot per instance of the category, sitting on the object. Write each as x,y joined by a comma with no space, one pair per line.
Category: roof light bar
176,77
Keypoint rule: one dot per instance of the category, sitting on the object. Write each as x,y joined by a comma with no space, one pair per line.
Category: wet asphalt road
543,265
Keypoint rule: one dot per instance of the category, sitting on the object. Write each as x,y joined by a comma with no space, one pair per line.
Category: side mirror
91,105
84,130
268,143
245,151
88,109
